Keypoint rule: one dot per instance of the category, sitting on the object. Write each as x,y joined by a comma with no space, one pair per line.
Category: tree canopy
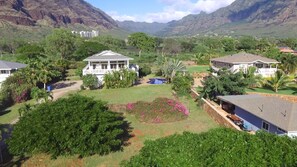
218,147
61,43
225,83
76,125
142,41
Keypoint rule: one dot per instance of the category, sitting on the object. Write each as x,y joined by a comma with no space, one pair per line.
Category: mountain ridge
54,13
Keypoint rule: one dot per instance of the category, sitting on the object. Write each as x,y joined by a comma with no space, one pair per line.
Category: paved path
59,90
62,88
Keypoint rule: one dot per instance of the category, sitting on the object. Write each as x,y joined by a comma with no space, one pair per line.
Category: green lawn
290,90
10,114
126,95
199,68
198,121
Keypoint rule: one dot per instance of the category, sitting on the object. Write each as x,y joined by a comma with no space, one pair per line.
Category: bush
218,147
161,110
120,79
90,81
15,89
74,126
182,84
145,70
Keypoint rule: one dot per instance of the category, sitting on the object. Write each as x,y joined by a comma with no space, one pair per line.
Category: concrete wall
216,116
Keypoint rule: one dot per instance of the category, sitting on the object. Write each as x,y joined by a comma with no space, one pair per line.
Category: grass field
198,121
290,90
198,68
123,96
10,114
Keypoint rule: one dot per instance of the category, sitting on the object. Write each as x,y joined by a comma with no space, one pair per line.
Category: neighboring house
7,68
271,114
242,61
107,61
287,50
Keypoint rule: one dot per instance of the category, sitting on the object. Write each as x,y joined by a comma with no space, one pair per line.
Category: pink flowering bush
160,110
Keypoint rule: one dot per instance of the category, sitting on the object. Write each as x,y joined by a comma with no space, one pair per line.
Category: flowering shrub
161,110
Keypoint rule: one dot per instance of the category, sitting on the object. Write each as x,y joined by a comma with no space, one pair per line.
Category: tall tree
289,63
225,83
142,42
280,80
61,43
252,79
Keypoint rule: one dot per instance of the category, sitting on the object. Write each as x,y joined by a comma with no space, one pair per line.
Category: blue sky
156,10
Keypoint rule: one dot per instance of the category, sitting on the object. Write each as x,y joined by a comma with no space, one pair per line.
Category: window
113,65
4,72
104,66
94,66
265,126
281,130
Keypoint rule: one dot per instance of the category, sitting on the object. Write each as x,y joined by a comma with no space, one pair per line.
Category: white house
242,61
107,61
7,68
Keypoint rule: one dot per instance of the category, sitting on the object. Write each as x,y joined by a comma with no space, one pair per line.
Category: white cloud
175,10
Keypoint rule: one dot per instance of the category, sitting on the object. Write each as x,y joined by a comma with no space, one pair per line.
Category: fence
217,114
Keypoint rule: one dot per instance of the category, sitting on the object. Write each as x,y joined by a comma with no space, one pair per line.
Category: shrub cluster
90,81
14,89
182,83
120,79
161,110
218,147
74,126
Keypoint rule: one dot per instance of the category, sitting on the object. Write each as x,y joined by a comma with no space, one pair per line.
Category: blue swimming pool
157,81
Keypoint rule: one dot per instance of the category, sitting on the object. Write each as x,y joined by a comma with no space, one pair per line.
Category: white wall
292,133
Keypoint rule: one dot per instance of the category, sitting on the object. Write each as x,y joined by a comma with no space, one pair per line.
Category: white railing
266,72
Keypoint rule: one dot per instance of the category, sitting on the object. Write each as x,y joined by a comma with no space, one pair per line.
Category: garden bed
161,110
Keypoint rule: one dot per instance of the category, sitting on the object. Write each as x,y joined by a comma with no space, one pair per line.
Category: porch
103,67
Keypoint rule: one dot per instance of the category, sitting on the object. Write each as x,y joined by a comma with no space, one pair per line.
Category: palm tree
170,67
289,63
252,79
279,81
46,73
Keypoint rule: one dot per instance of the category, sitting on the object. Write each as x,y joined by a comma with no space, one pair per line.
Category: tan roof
107,55
274,110
243,58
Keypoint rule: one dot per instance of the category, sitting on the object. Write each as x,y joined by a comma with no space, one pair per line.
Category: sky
156,10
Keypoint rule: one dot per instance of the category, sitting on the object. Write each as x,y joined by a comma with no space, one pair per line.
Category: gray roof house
242,61
7,68
272,114
107,61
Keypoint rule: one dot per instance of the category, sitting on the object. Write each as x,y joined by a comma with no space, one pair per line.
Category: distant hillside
53,13
243,17
149,28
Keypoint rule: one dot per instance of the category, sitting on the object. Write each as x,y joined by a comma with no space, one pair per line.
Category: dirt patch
189,63
198,78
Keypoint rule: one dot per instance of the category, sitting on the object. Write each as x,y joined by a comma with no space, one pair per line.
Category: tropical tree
280,80
61,43
47,72
142,42
252,79
289,63
225,83
170,67
88,48
41,95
